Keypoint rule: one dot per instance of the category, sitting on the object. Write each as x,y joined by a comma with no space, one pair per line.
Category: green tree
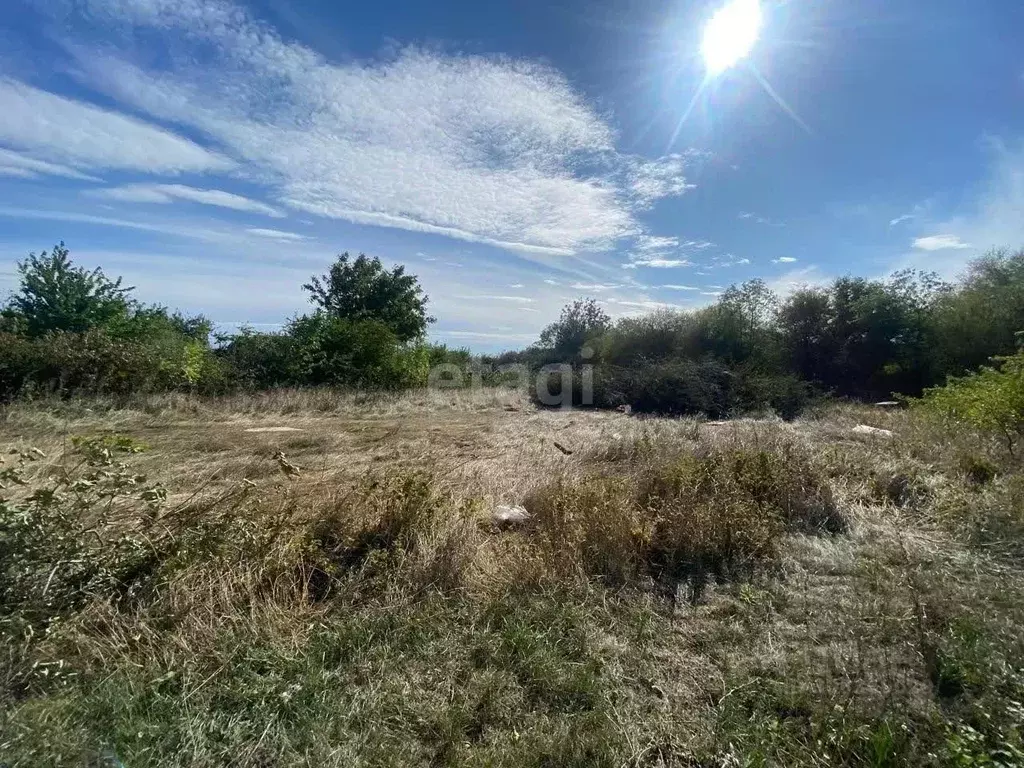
579,322
980,319
805,321
55,295
362,289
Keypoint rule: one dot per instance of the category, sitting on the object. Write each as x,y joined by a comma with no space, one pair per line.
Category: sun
730,34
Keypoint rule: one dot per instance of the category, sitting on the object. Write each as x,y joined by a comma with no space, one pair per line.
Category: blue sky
515,155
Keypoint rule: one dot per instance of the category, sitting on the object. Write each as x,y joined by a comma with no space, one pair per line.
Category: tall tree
579,321
805,320
362,289
55,295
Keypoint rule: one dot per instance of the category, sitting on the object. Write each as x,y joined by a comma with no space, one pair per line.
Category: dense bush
96,362
991,400
69,329
679,387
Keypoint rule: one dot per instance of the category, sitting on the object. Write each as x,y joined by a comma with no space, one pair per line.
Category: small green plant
53,552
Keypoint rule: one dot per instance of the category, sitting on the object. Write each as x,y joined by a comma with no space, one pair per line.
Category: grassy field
308,578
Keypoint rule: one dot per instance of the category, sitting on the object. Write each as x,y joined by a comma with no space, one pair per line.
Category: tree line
69,329
854,337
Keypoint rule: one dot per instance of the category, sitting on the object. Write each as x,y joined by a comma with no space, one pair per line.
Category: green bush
990,401
259,360
96,362
363,354
53,556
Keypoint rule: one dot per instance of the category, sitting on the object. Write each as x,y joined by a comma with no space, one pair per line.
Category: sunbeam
778,99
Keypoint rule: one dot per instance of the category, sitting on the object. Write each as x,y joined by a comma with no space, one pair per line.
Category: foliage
52,557
259,360
579,322
991,400
361,289
55,295
362,354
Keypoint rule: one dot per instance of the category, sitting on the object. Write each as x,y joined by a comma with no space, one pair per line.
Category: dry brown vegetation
330,589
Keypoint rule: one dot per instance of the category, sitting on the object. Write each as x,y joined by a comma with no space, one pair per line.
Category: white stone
506,515
864,429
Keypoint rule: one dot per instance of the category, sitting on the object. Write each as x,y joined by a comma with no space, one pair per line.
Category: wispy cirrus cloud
748,216
513,299
276,234
64,131
496,151
664,252
167,193
784,260
23,166
940,243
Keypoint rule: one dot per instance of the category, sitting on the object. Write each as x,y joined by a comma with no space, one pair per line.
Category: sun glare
730,34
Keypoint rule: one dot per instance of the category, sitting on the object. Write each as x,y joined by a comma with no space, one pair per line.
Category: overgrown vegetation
182,591
753,350
69,330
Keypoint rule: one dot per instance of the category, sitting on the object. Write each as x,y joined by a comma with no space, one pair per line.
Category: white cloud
23,166
551,282
648,305
649,243
783,260
596,287
651,181
488,335
515,299
168,193
748,216
177,229
275,234
663,252
61,130
940,243
901,219
681,287
481,149
658,263
18,173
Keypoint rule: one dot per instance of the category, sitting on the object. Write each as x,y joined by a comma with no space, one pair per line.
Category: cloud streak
23,166
72,133
940,243
164,194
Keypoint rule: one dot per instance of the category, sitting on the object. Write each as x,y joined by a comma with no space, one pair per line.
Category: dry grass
854,600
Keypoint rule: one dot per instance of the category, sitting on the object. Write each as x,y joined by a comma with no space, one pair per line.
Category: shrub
991,400
362,354
786,395
53,550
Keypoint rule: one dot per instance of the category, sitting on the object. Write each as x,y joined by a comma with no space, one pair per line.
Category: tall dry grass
852,600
